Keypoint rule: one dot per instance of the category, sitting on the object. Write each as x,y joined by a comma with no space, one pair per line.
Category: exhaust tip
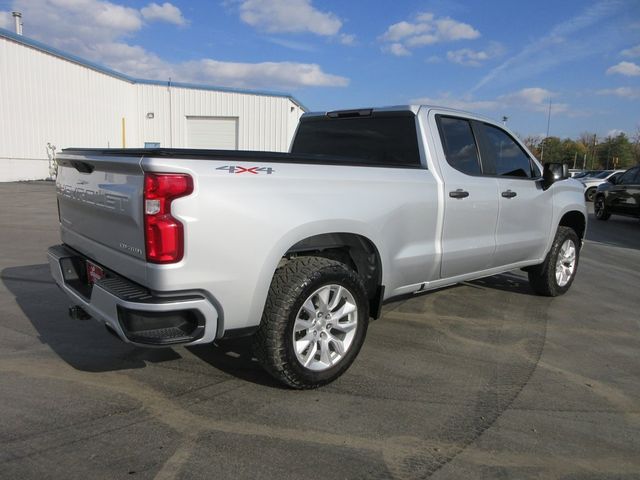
77,313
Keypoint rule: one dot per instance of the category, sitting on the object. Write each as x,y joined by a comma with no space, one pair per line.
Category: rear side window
386,140
509,158
459,144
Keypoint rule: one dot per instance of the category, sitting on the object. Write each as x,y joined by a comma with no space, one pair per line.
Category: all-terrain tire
292,285
543,278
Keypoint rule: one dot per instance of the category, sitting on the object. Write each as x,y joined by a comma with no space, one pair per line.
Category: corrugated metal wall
47,99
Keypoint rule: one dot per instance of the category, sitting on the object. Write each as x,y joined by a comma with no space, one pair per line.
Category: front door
625,194
525,213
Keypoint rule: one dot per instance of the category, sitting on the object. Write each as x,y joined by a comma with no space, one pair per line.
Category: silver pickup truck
300,249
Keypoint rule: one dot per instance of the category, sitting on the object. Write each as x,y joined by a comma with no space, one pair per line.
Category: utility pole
593,158
548,124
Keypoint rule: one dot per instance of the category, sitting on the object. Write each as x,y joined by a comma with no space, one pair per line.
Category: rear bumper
134,313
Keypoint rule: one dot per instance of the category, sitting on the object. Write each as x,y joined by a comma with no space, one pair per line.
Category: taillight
164,235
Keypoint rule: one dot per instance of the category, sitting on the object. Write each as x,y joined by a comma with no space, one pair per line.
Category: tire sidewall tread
290,287
542,278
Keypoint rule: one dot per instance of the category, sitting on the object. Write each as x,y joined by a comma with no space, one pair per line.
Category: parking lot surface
481,380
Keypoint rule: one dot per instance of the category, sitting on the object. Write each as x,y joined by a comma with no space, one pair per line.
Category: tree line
588,151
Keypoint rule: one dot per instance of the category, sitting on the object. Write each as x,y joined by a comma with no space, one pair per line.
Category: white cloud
628,69
265,74
289,16
614,132
529,99
535,99
624,92
347,39
397,49
631,52
568,41
475,58
463,103
5,20
425,29
163,13
467,57
97,30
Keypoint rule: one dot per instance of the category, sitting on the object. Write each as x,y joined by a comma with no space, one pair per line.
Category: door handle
459,193
509,194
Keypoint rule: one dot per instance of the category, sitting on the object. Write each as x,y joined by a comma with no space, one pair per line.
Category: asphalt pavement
480,380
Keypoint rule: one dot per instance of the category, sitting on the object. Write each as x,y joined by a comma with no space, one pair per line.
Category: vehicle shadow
235,357
85,345
514,282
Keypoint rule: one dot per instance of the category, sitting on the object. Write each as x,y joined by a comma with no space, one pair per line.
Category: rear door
471,200
525,209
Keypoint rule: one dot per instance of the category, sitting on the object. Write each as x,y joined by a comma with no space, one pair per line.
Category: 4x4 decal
251,170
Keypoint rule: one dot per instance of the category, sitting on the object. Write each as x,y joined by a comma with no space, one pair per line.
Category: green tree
588,141
636,146
551,150
616,152
533,143
573,153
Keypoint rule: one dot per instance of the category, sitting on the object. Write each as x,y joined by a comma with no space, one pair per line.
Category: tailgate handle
83,167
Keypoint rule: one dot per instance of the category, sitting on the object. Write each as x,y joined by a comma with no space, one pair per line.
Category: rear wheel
600,208
314,322
555,275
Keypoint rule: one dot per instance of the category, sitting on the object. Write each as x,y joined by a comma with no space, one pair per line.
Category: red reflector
164,235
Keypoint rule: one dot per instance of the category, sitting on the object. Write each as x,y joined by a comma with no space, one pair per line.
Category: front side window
629,176
510,159
459,145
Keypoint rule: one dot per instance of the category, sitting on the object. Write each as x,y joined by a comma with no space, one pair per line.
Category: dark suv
621,197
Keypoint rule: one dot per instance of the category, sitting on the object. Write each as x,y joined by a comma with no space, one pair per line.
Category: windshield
389,139
604,174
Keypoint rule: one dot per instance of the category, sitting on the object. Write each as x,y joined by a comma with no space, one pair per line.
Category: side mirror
554,172
613,179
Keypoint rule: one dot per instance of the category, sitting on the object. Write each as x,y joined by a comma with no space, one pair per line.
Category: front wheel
314,322
555,275
590,194
600,208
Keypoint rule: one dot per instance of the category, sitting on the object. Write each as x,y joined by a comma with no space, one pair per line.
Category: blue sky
492,57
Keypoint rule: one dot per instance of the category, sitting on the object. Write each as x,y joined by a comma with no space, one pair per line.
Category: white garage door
212,132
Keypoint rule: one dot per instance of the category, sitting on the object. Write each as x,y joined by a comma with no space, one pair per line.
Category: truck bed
233,155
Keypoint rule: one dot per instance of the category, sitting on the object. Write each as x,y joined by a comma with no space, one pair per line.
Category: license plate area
94,272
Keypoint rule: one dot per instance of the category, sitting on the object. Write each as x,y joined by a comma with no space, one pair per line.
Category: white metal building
48,97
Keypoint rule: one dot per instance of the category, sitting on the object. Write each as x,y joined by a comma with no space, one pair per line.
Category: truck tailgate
100,205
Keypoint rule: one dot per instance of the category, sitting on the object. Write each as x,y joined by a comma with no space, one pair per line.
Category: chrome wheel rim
566,262
325,327
599,206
